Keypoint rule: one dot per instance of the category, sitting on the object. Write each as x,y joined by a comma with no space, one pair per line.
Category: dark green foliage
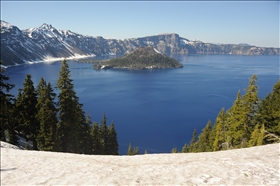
219,131
251,101
46,116
104,138
26,112
86,138
175,150
70,115
257,136
185,148
269,112
104,133
142,58
113,145
132,151
6,109
193,145
240,121
249,122
204,144
96,139
236,135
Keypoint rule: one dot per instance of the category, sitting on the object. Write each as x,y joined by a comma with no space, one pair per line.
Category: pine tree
70,113
132,151
219,131
113,145
261,135
193,143
185,148
104,135
129,150
257,136
204,143
86,138
96,139
269,112
47,116
26,112
174,150
235,123
254,137
136,151
6,108
251,101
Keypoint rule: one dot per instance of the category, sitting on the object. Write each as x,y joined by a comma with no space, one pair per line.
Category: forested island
141,58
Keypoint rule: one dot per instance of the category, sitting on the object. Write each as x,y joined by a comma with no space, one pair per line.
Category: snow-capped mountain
46,42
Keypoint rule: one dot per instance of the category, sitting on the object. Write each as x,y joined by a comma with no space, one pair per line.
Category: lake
157,110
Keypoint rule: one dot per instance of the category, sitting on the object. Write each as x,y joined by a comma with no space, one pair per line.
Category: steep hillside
46,42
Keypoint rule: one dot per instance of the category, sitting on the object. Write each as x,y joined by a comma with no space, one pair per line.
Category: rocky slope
45,42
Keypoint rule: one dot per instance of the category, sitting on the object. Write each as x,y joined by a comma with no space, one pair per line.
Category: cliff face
36,44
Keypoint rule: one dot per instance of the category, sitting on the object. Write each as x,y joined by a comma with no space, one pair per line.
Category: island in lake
141,58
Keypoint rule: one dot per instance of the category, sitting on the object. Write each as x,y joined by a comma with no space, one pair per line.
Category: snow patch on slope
248,166
157,51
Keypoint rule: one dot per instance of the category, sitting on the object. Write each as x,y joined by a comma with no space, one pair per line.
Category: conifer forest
51,122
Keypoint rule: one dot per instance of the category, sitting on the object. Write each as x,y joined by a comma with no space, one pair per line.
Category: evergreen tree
174,150
261,136
47,116
185,148
251,101
236,132
130,150
257,136
104,135
70,113
6,108
86,138
254,137
96,139
193,145
113,145
269,112
136,151
26,112
219,131
204,143
241,120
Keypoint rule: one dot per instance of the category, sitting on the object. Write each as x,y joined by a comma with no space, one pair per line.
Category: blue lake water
157,110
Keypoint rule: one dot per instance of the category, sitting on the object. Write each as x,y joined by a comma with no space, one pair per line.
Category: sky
227,22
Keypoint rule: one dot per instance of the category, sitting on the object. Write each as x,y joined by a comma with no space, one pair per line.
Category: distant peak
46,26
5,24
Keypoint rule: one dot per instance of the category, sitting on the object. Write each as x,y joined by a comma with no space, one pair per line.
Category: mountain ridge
45,42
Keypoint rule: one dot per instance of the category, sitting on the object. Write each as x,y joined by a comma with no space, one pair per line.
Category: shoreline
50,59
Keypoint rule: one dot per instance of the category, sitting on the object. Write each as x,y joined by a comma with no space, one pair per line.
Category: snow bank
250,166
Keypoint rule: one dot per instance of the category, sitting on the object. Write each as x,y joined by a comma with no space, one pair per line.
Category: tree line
250,121
53,122
58,123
